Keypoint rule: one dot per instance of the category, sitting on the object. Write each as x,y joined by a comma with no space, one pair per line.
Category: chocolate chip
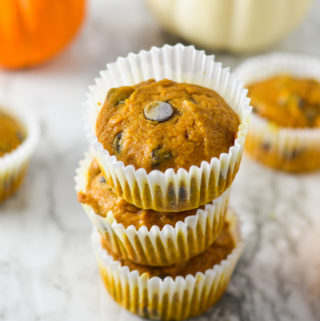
265,146
20,136
117,142
171,194
311,115
290,155
296,100
159,155
182,193
145,311
117,96
102,180
301,103
158,111
152,313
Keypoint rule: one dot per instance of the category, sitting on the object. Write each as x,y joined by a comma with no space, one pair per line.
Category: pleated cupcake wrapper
168,298
13,165
288,149
157,247
169,191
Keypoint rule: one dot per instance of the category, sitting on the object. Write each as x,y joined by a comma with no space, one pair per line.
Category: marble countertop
47,267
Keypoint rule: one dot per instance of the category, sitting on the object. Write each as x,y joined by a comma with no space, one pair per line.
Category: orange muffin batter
164,124
217,252
102,199
287,101
12,133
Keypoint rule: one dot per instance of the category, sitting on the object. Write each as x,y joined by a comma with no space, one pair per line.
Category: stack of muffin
157,179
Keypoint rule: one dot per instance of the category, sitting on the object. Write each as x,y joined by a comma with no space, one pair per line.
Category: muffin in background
18,137
284,132
287,101
12,133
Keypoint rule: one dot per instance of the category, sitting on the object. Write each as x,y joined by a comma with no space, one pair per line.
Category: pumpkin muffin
102,199
213,255
12,133
165,124
146,236
287,101
174,292
167,145
18,137
284,131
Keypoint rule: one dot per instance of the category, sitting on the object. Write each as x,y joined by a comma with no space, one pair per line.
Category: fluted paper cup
168,298
13,165
158,247
169,191
288,149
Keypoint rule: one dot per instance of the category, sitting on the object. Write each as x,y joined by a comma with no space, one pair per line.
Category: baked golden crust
164,124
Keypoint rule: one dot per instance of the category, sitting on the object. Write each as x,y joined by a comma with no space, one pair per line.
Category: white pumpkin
236,25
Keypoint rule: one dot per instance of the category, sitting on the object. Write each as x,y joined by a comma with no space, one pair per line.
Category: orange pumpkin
33,31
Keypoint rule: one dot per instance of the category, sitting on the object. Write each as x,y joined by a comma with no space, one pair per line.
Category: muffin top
287,101
102,199
12,133
213,255
164,124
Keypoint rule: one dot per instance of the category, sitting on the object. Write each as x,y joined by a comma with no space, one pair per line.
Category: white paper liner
157,247
168,298
161,191
289,149
13,165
